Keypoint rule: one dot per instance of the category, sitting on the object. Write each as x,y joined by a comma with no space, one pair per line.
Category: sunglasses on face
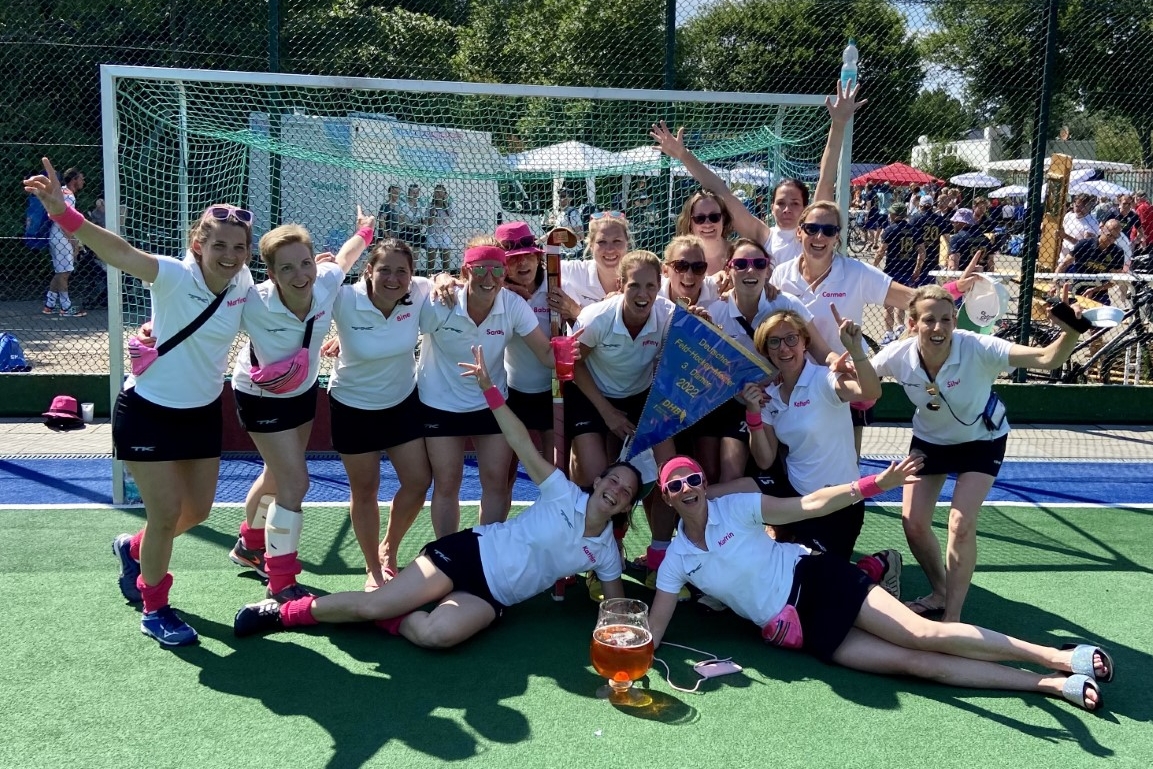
683,265
607,215
692,481
828,230
713,218
528,241
222,213
774,342
757,263
480,270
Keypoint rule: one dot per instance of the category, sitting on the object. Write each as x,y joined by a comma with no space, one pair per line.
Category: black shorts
581,416
143,431
834,534
725,421
458,558
266,414
861,418
829,593
360,431
534,409
972,457
457,424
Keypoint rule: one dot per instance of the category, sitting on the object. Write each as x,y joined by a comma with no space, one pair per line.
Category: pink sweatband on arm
493,397
869,486
753,420
953,289
365,234
70,220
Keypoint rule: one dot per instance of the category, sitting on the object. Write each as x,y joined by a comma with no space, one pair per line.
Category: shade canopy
573,157
975,180
896,173
1011,191
1099,189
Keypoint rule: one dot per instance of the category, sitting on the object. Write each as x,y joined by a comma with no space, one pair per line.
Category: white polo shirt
447,338
376,368
710,292
818,429
726,314
579,279
748,571
620,365
850,285
191,374
783,245
529,553
965,381
1080,227
525,372
276,333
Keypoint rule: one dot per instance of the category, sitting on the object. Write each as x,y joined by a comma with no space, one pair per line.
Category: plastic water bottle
849,63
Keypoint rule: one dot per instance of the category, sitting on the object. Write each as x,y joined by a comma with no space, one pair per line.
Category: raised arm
842,105
1049,357
763,443
514,430
673,145
354,246
867,385
110,248
777,511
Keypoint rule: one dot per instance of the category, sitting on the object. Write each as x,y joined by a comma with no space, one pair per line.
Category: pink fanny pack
141,356
285,375
784,630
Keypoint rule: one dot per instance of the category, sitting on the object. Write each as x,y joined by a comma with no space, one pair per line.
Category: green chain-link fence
954,87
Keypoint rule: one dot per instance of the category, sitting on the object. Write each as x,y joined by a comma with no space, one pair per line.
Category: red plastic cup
564,355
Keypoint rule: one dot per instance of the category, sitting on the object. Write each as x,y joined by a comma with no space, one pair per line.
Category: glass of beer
622,647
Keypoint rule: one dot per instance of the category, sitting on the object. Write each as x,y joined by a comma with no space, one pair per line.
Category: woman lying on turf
827,607
474,574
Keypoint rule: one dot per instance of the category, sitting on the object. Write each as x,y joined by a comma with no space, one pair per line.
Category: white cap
927,200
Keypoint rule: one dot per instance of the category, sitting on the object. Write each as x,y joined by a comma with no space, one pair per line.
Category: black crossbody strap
748,327
186,332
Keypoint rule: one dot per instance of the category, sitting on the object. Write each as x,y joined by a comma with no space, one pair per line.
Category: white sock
50,300
260,520
282,531
65,302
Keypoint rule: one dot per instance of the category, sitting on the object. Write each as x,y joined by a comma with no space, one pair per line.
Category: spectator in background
1144,212
388,221
967,244
410,219
1104,211
96,215
1078,224
439,239
64,248
1096,255
567,214
931,225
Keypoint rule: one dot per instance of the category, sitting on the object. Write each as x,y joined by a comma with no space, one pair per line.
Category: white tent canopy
1012,191
1099,189
752,174
1024,163
571,157
650,158
975,180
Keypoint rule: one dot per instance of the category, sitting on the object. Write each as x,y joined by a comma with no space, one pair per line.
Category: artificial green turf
81,687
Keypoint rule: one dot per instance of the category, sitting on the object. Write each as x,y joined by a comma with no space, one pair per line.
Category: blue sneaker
129,568
166,627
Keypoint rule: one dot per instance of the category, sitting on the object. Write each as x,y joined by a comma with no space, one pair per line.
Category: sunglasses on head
828,230
480,270
528,241
714,217
222,212
774,342
607,215
692,481
756,262
683,265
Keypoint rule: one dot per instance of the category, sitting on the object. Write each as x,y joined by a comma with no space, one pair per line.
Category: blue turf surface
36,482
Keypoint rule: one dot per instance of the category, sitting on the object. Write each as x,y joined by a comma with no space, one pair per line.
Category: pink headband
676,463
484,254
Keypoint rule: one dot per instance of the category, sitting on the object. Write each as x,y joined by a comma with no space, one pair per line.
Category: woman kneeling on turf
474,574
828,607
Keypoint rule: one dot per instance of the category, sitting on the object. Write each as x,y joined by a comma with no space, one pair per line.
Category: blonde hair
279,237
685,220
206,225
634,259
686,242
598,224
822,205
483,240
761,336
933,293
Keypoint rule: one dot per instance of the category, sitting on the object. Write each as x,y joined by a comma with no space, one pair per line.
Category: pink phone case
715,668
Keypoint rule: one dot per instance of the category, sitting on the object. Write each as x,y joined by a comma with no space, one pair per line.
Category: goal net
439,162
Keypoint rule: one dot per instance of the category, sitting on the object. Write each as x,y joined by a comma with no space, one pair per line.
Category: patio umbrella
1099,189
1012,191
895,173
975,179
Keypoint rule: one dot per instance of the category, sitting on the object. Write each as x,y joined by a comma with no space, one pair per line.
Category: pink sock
134,545
654,558
281,571
391,626
297,613
155,596
872,566
253,538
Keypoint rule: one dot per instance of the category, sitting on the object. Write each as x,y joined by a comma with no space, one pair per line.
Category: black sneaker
891,577
249,559
290,593
129,568
256,618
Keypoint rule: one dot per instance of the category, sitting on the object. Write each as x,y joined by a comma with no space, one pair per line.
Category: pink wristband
493,397
69,221
753,420
869,487
365,234
953,289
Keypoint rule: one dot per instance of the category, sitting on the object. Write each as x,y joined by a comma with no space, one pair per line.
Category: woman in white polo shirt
167,422
826,607
589,280
475,574
948,375
287,315
683,273
373,400
485,315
